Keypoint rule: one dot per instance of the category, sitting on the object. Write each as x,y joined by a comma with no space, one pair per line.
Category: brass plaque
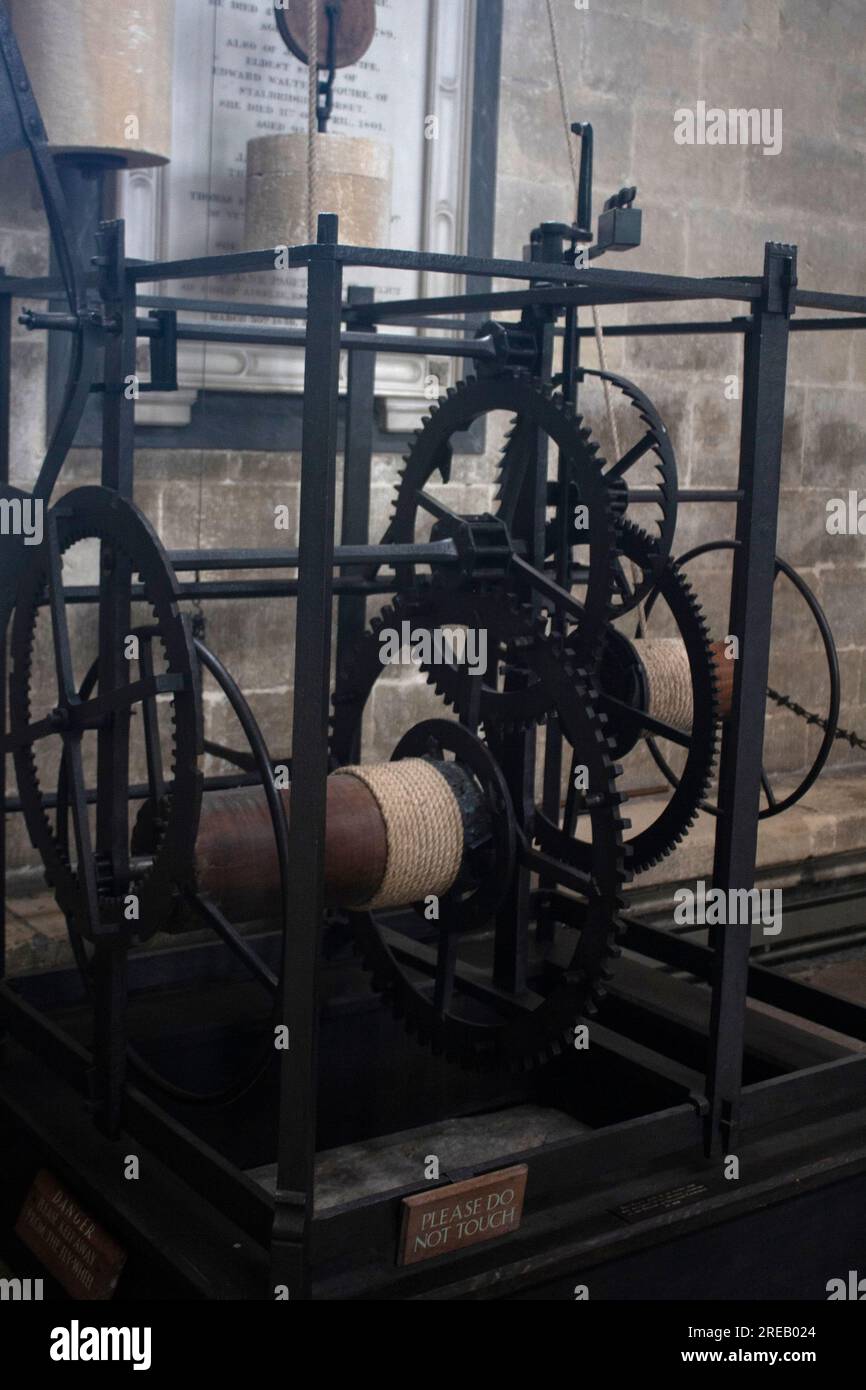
466,1213
645,1207
75,1249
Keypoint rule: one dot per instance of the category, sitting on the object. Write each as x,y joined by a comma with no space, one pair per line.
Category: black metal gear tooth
648,858
650,845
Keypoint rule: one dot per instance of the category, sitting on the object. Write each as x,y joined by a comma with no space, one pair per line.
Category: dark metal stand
766,357
297,1117
695,1105
728,1110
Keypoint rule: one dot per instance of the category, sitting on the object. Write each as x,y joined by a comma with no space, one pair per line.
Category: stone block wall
708,210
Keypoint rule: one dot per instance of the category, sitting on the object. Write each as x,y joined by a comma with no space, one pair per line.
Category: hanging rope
596,317
575,174
312,117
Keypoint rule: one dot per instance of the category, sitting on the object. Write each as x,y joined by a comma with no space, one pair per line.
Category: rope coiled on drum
669,679
424,829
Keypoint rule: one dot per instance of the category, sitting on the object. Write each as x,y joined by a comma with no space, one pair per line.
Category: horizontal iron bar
42,287
688,494
810,947
678,286
238,588
432,553
825,325
479,349
718,326
242,308
662,330
546,295
622,281
202,267
249,309
450,325
37,286
817,299
828,1086
768,985
139,791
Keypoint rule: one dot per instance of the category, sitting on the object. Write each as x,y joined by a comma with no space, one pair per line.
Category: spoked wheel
93,874
191,905
477,993
534,408
774,804
188,903
110,903
631,716
647,463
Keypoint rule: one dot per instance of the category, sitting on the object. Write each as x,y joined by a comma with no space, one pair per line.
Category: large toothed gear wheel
84,884
633,584
465,991
629,723
535,408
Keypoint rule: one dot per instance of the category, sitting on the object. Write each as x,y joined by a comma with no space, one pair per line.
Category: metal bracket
109,279
163,353
289,1254
619,226
780,278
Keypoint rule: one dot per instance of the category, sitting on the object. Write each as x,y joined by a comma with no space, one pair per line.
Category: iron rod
357,464
296,1135
481,349
751,612
240,588
432,553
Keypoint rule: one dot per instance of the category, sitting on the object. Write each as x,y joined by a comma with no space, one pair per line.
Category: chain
844,735
199,622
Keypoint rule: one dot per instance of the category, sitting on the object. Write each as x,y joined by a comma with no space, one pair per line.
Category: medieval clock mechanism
242,943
